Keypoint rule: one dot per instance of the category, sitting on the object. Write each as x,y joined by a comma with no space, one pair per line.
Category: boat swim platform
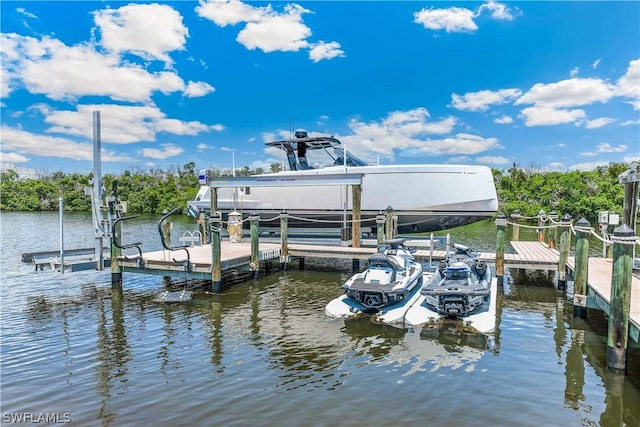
527,255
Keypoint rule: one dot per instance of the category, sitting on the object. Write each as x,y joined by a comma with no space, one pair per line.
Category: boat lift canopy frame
205,177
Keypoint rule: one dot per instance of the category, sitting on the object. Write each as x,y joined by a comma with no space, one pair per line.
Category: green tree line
578,193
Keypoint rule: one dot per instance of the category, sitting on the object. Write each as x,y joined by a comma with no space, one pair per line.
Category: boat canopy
296,150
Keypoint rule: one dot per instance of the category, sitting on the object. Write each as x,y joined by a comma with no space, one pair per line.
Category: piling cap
501,220
567,218
583,222
623,231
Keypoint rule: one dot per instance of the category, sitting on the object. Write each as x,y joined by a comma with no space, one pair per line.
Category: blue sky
545,85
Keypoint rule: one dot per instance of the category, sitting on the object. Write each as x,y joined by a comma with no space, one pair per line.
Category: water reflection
113,353
118,357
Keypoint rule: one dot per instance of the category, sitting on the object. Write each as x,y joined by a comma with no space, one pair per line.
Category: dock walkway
527,255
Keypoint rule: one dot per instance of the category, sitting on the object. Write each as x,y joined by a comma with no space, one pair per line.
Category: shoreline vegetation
578,193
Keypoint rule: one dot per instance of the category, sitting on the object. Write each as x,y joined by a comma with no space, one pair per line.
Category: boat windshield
314,153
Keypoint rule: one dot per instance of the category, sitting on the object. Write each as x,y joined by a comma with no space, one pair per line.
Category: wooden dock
526,255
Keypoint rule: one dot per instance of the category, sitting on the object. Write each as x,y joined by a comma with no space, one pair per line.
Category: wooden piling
620,302
380,220
541,218
583,229
116,253
284,240
388,229
166,236
501,224
553,233
356,216
215,225
202,227
515,219
254,265
565,247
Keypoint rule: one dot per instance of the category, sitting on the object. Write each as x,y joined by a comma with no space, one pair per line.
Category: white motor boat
425,197
461,285
391,276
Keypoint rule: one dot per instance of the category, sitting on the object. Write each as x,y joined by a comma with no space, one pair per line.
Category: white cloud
628,85
494,160
459,19
197,89
23,11
480,101
454,19
167,150
598,123
147,30
588,166
268,30
503,120
13,158
550,101
322,50
40,145
202,146
546,116
630,122
568,93
574,71
596,63
605,147
120,124
498,10
61,72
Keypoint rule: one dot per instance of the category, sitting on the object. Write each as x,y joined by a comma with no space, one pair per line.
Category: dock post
61,214
565,246
215,225
553,234
254,265
388,228
356,215
356,227
380,220
515,219
620,302
166,236
501,223
116,252
541,218
284,240
202,227
583,229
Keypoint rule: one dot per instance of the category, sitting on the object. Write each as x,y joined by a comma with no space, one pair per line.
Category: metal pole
501,223
97,191
61,206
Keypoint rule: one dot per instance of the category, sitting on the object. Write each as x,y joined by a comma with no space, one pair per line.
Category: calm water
262,353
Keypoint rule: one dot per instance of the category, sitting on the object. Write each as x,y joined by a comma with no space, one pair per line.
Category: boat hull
424,197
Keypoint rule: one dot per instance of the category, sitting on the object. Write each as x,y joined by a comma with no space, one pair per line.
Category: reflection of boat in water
472,194
390,277
460,285
454,334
